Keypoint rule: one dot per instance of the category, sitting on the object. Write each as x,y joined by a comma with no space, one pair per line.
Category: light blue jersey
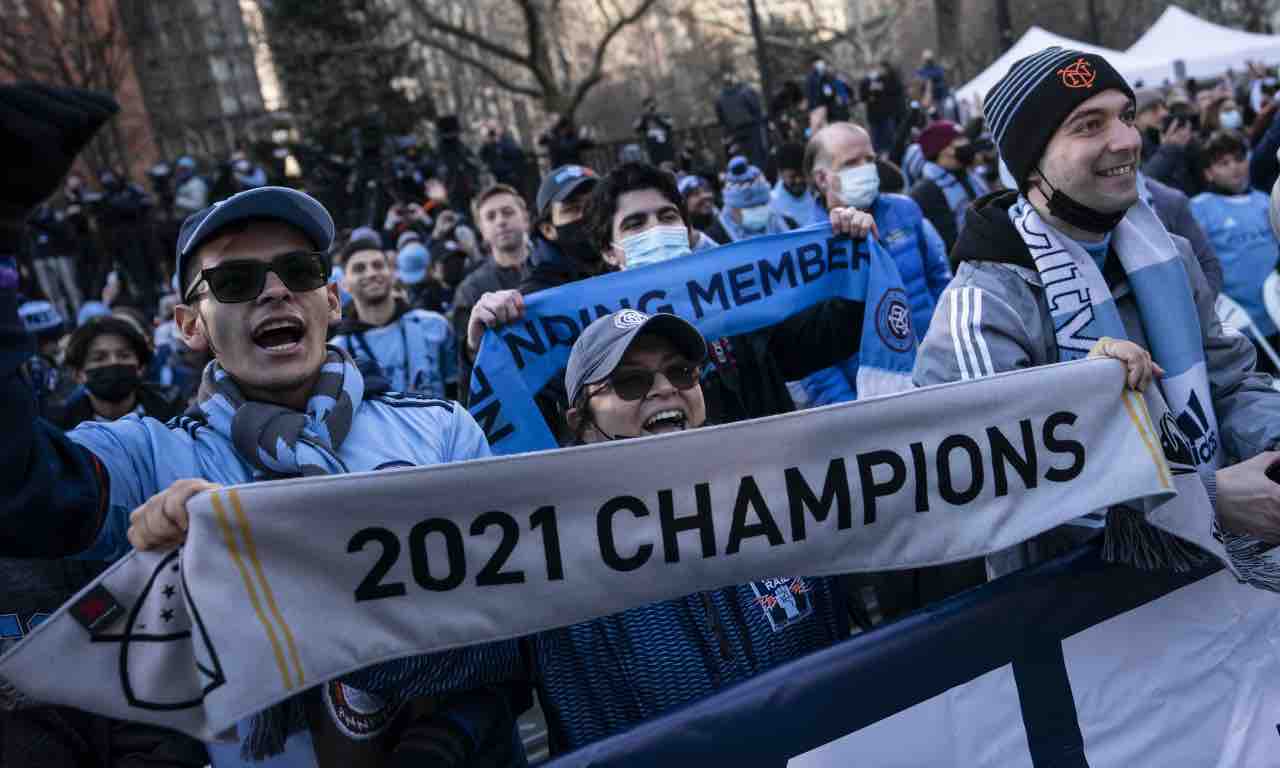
143,456
1240,231
798,209
416,352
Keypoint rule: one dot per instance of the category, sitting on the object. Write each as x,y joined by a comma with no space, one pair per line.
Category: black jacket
550,267
933,203
487,277
160,403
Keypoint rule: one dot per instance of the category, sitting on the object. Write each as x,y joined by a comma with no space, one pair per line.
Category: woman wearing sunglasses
632,375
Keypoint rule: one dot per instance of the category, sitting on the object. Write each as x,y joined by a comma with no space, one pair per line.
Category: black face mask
572,240
701,220
1152,134
965,154
1079,215
113,383
795,190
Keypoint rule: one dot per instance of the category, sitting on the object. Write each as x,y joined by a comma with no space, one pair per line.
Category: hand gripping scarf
280,442
1083,311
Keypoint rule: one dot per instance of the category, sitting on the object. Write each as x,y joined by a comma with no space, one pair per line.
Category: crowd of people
133,380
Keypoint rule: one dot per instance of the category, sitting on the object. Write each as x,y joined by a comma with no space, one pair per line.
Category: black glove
42,129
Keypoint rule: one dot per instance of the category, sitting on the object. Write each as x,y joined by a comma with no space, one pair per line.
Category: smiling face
367,276
1093,156
663,409
272,345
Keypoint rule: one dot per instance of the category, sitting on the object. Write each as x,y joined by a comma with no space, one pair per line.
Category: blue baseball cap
298,209
412,263
562,182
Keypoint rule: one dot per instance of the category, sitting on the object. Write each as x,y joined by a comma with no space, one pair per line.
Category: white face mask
1230,120
860,185
755,219
654,245
821,66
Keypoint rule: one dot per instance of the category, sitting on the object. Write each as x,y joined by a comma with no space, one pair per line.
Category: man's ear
615,257
821,178
335,302
548,230
191,327
573,418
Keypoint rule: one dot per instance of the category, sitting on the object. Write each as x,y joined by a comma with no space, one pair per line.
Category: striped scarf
279,441
957,197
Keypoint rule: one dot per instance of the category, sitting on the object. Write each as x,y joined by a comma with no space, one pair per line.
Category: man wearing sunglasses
276,402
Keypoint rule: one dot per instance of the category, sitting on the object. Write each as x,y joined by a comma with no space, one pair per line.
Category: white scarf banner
284,585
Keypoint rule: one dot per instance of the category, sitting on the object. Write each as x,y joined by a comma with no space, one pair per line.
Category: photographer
1176,162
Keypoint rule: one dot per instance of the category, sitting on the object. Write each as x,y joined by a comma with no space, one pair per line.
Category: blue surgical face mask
756,218
655,245
1231,120
860,185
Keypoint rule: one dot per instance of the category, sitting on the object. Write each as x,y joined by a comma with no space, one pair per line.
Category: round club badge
358,714
893,320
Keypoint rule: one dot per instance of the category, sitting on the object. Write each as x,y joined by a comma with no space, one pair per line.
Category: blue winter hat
90,310
744,185
412,263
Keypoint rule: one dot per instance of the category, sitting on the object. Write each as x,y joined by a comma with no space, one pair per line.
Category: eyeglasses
635,383
234,282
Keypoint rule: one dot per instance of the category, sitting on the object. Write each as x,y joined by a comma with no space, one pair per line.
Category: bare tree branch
595,74
440,25
464,58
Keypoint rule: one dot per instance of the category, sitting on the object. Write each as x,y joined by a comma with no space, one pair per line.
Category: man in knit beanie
948,185
746,210
1072,258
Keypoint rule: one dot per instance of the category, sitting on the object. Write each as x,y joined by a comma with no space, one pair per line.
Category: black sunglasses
635,383
234,282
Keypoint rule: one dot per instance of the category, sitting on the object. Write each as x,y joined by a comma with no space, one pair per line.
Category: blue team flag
727,291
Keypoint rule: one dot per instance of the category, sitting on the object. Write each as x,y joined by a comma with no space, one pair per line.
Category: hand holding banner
735,289
284,585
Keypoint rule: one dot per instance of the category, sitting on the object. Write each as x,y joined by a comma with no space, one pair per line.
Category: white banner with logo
284,585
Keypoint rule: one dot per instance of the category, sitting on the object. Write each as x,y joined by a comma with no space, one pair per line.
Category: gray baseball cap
604,343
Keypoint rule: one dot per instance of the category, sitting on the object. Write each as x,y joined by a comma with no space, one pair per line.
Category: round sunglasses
235,282
635,383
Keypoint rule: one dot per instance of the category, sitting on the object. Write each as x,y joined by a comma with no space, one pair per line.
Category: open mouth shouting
279,335
666,420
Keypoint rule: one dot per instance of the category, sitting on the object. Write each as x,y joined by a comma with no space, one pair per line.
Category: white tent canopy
1133,68
1206,48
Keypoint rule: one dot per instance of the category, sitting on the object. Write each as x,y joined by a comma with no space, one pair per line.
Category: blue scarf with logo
727,291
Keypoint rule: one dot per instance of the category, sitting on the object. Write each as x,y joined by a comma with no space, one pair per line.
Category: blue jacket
603,676
1240,231
921,258
415,352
